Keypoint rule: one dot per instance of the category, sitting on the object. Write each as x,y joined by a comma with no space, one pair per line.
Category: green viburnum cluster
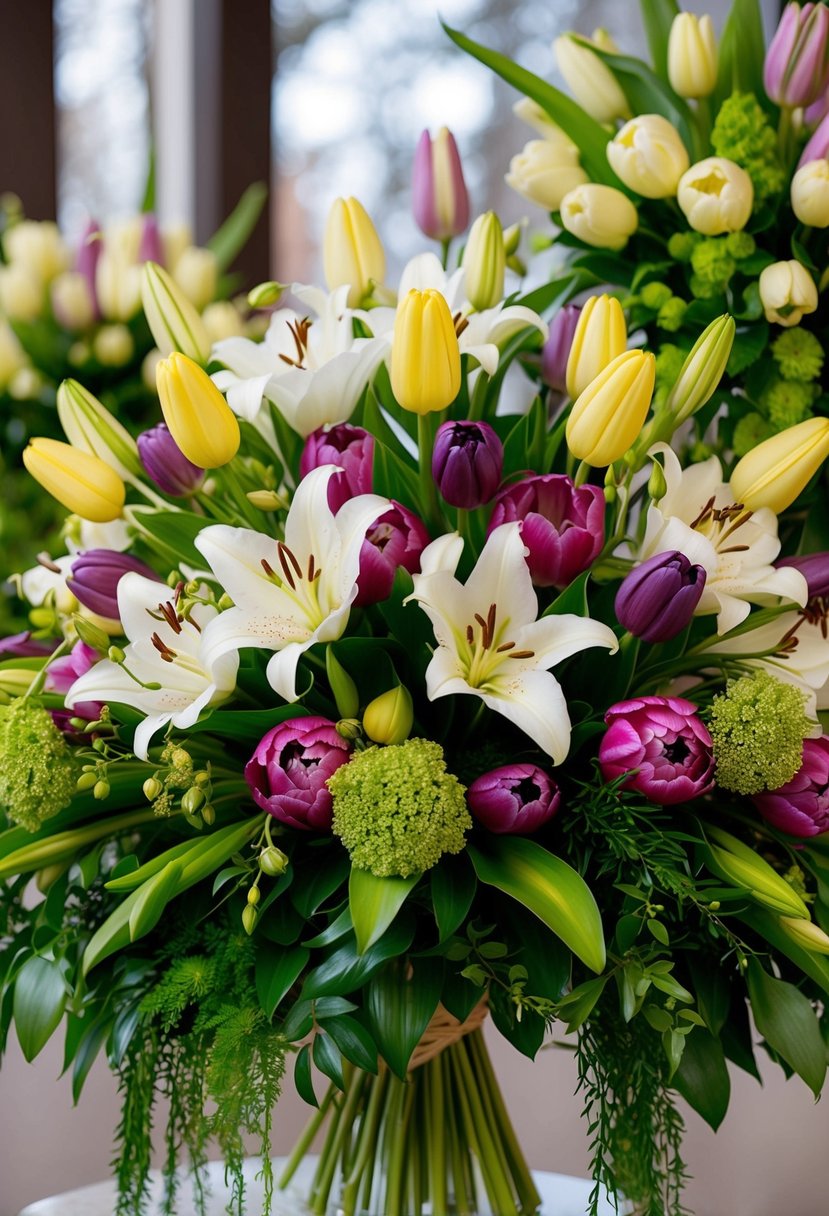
37,775
784,388
757,726
798,354
742,133
397,810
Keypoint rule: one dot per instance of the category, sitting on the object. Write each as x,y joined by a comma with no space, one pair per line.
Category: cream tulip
591,82
692,56
649,156
37,245
599,215
810,193
545,171
787,293
21,293
716,196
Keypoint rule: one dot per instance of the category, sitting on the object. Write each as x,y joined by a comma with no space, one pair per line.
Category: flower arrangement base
439,1143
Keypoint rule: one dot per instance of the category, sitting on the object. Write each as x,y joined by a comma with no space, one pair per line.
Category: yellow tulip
608,416
716,196
546,170
173,321
425,358
773,474
352,252
485,262
78,480
692,55
389,717
600,336
197,415
599,215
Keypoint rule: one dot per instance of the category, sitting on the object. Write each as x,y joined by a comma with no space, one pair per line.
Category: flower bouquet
398,710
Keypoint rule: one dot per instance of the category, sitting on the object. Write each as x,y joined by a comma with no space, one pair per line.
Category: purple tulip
287,773
562,525
95,576
86,261
467,462
351,449
397,538
665,740
556,350
816,112
657,600
24,646
515,799
439,198
796,71
801,806
815,569
60,677
166,464
150,247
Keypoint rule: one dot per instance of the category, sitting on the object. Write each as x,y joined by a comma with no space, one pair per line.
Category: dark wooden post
27,106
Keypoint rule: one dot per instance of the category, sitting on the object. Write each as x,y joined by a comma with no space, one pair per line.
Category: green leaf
816,966
453,889
232,236
172,531
572,600
702,1077
302,1076
345,969
276,971
576,1007
742,53
712,991
588,135
647,94
354,1041
39,1001
549,888
246,725
337,929
318,881
659,931
786,1020
657,18
328,1059
400,1004
374,902
152,899
749,343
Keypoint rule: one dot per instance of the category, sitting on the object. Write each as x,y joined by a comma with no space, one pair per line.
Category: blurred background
317,98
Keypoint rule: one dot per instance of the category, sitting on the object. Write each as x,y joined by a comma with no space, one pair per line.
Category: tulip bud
345,692
818,146
692,56
591,82
810,193
439,198
352,252
197,273
600,337
774,473
788,293
173,321
200,421
555,354
546,170
90,427
716,196
515,799
815,569
657,600
608,416
796,70
649,156
735,862
388,718
425,357
484,262
599,215
81,482
702,370
166,465
95,576
113,345
86,261
805,933
117,286
467,462
21,293
72,305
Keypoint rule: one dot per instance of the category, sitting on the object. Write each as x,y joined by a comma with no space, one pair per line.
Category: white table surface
561,1196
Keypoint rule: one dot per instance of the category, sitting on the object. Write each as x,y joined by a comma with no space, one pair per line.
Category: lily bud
273,862
599,215
546,170
440,201
774,473
389,717
484,262
810,193
805,933
648,155
173,321
222,319
265,295
716,196
657,600
81,482
692,56
796,70
346,696
555,354
197,274
467,462
591,82
735,862
601,335
425,357
166,465
702,370
91,428
199,419
352,252
72,304
787,292
608,416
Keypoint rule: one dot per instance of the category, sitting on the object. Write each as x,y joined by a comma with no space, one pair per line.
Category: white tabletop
561,1196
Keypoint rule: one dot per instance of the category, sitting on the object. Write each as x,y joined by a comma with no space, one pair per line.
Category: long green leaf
816,966
742,53
234,233
589,136
276,971
39,1000
374,903
646,93
786,1020
702,1077
550,888
657,18
400,1004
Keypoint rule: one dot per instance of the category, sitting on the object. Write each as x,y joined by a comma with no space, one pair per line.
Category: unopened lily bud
192,800
591,82
692,56
810,193
199,419
254,896
649,156
249,918
352,252
349,729
265,295
608,416
116,655
86,781
702,370
113,345
599,215
72,305
273,862
16,681
440,201
735,862
265,500
787,292
484,262
196,273
174,322
805,933
716,196
546,170
600,336
778,469
343,687
388,718
152,788
91,428
425,357
208,814
512,238
91,633
657,484
81,482
100,790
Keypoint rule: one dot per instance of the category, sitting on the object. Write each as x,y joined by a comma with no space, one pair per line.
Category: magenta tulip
287,773
801,806
351,449
562,525
62,674
397,539
665,741
515,799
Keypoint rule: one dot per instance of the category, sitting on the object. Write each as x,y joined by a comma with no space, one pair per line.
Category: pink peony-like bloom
397,538
515,799
287,773
562,525
348,447
666,741
801,806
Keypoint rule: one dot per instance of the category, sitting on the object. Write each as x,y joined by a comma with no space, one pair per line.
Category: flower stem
428,489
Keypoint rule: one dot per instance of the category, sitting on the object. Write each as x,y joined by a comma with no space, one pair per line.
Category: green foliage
758,726
798,354
37,773
744,134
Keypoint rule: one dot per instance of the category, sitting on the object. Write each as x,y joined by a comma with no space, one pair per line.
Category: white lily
698,516
47,581
489,642
313,370
289,594
166,673
481,332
